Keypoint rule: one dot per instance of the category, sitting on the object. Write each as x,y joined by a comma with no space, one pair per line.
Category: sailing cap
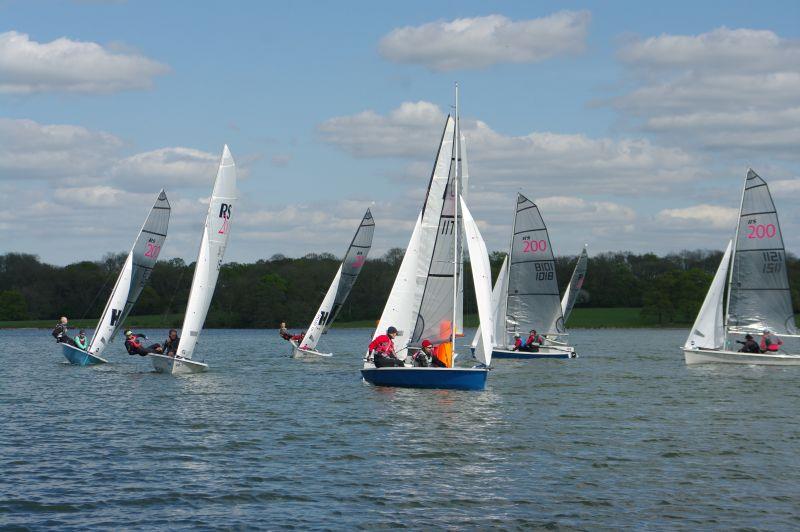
391,330
516,335
426,343
128,332
766,331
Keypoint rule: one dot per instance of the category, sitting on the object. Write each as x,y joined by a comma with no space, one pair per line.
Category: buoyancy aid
382,344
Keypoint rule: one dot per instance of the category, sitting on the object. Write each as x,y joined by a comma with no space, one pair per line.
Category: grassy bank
581,318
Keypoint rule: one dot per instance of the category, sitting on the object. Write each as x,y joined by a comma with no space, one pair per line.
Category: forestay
708,331
533,299
342,283
134,275
463,175
402,306
482,278
212,251
435,317
759,296
575,284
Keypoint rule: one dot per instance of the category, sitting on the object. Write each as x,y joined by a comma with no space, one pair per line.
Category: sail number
773,261
447,227
544,271
761,231
152,250
532,246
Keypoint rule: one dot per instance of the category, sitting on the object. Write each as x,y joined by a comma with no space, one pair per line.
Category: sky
630,124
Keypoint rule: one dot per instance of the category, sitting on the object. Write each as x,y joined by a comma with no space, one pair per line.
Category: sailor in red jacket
383,352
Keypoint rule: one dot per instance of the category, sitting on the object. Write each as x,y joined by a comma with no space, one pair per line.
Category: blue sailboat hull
525,355
442,378
79,357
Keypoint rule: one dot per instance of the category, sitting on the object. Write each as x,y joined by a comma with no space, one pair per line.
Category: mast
456,257
730,266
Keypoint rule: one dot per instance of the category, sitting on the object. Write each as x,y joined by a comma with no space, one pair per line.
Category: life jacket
133,345
770,345
534,339
382,344
517,343
285,335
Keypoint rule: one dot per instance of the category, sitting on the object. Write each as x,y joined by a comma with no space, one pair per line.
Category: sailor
284,332
81,341
517,343
135,347
298,337
769,343
425,357
749,345
382,350
60,331
533,342
171,343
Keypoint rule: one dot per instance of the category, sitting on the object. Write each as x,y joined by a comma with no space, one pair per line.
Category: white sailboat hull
299,352
713,356
543,352
176,365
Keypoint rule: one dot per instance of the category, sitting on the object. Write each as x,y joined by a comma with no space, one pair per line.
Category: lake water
624,436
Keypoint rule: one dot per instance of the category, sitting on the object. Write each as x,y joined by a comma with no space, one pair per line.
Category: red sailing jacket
382,344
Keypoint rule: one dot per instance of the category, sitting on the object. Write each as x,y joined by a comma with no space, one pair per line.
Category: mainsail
759,295
209,258
575,284
134,275
402,306
435,317
533,299
342,283
708,331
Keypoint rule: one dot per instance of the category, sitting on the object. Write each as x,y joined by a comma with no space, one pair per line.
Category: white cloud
551,160
32,150
470,43
700,216
728,90
174,166
27,66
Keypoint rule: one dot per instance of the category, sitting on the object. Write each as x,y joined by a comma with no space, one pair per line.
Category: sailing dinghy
575,284
759,297
424,301
209,260
525,295
132,279
340,288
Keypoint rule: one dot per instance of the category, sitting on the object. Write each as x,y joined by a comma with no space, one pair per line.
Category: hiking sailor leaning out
383,351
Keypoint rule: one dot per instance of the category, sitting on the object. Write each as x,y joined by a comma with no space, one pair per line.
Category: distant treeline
669,289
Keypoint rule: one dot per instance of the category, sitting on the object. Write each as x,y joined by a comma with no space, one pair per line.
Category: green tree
12,306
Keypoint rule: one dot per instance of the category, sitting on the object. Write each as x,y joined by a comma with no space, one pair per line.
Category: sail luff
456,254
497,294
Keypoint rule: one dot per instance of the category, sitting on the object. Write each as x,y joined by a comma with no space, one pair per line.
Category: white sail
212,251
342,283
575,284
463,174
759,296
399,310
134,275
708,331
497,305
402,309
482,278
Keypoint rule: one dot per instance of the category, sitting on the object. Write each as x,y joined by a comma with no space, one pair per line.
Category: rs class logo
225,214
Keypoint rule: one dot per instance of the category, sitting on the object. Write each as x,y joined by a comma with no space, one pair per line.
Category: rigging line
110,274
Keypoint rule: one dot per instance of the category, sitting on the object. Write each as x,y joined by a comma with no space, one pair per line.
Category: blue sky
630,123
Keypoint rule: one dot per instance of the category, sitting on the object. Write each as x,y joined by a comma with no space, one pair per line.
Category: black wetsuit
61,335
750,346
171,346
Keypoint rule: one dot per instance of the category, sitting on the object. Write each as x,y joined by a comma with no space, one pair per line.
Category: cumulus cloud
413,130
731,90
27,66
470,43
711,216
175,166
